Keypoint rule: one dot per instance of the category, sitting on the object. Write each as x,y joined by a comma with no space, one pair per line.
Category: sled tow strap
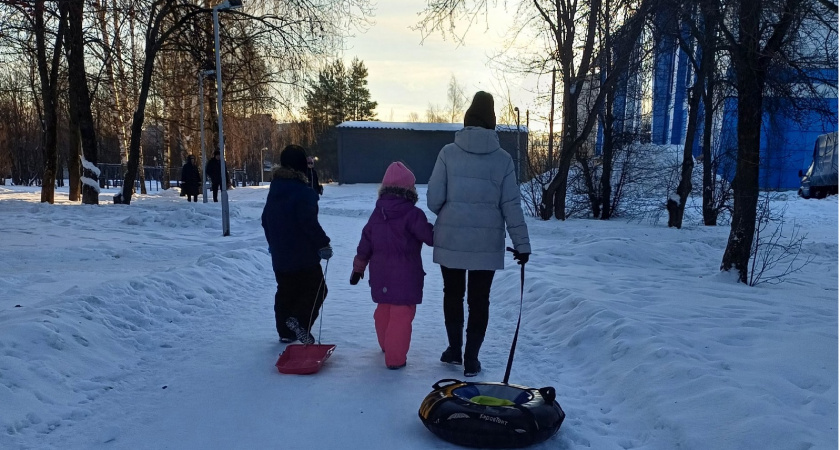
518,322
322,285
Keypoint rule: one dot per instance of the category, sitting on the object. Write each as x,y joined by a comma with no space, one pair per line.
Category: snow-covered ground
141,327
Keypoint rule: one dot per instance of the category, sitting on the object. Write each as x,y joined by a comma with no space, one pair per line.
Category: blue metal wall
663,81
788,134
788,130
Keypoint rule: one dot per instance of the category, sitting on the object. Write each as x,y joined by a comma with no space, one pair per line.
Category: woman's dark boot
471,364
455,334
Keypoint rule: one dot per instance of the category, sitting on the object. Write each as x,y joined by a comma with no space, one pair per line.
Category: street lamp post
262,164
518,155
226,5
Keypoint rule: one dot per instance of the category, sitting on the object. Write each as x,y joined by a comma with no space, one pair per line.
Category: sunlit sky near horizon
406,75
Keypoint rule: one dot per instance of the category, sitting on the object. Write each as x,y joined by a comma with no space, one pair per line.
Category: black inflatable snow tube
526,416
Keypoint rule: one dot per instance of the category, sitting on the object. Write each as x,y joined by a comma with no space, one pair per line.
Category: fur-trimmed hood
290,222
408,194
288,174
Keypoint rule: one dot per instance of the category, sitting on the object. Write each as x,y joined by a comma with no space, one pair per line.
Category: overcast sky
405,76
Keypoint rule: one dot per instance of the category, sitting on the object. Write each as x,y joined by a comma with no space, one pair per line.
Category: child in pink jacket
390,244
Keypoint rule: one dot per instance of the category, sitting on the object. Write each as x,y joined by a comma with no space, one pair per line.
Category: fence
111,176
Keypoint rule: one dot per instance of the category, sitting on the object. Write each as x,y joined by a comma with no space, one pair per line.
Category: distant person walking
474,193
213,169
190,179
391,243
312,176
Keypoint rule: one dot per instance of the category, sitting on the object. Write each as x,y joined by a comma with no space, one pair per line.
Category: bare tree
762,30
29,21
315,31
112,55
434,114
538,173
80,100
456,100
620,116
20,127
678,21
776,254
714,195
570,29
504,102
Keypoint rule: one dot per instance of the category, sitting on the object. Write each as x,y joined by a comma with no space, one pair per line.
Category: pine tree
336,92
359,105
339,94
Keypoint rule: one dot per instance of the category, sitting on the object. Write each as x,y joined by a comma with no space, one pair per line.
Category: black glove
355,277
326,252
521,258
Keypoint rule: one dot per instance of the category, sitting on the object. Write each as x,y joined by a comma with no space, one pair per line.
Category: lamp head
228,4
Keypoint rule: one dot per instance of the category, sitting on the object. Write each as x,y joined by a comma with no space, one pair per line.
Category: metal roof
420,126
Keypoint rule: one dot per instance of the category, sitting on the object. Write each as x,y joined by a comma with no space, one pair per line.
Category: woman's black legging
476,285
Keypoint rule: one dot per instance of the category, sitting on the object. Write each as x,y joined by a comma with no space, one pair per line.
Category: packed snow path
142,327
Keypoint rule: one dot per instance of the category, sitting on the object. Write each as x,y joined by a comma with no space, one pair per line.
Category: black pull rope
318,294
518,322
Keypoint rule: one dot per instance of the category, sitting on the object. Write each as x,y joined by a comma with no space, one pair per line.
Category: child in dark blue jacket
297,244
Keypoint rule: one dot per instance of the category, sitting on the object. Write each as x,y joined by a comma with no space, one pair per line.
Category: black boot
304,336
471,364
452,356
472,367
455,334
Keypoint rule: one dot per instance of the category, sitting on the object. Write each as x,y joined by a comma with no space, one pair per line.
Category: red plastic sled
300,359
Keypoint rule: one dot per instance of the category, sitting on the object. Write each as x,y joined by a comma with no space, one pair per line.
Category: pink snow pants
393,329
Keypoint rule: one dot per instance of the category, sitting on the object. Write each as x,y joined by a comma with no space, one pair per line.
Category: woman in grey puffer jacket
474,193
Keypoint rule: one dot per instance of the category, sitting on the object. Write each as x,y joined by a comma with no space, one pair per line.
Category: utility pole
518,153
551,121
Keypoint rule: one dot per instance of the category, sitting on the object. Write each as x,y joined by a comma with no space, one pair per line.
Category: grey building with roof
365,149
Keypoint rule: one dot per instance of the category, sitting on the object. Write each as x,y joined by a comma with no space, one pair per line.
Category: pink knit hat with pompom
398,175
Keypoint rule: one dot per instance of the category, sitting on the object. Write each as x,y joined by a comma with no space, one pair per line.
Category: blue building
789,128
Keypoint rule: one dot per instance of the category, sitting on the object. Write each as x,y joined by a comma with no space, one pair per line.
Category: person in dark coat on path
297,244
312,176
190,179
474,193
213,169
391,243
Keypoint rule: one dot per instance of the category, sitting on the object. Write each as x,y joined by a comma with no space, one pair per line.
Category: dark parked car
821,177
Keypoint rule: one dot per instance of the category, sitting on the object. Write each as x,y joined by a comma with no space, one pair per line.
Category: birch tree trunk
117,93
80,100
